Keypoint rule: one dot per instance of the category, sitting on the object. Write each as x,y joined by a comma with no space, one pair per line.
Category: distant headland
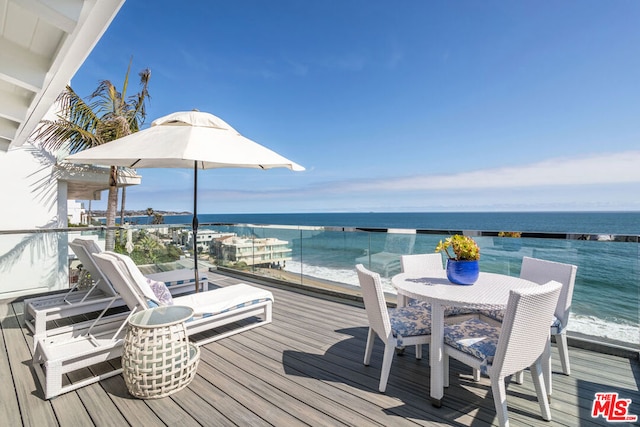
128,213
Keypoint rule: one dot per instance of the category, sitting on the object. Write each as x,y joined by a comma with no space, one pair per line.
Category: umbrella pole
194,225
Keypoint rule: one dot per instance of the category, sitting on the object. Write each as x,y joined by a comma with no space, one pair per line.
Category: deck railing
606,301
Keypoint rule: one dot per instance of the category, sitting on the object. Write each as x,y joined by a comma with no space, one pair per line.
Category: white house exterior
42,45
253,251
205,238
76,212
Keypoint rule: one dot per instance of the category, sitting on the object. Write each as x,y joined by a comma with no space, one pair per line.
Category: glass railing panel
606,295
36,261
606,298
156,248
383,250
329,254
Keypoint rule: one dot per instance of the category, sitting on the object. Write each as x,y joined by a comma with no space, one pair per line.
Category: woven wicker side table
157,358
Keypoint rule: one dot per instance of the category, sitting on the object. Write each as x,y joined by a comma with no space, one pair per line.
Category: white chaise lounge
212,309
39,311
234,309
56,356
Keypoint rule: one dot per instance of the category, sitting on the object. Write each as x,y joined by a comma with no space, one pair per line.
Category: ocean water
561,222
606,299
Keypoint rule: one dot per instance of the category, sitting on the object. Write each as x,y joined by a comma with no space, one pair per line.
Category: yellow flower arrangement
509,234
464,248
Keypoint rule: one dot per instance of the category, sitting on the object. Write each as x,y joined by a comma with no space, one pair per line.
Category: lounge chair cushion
203,303
223,299
162,293
177,277
474,337
133,274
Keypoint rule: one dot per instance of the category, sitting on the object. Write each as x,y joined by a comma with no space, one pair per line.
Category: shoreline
308,281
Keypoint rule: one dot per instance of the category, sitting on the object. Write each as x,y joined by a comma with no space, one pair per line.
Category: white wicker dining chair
395,327
542,271
501,351
421,263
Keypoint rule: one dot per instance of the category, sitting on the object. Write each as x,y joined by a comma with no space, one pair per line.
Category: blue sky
393,106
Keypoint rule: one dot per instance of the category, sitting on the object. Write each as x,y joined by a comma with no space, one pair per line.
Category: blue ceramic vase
462,272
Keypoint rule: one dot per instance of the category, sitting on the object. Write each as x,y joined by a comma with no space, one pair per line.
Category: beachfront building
76,213
41,48
258,252
205,238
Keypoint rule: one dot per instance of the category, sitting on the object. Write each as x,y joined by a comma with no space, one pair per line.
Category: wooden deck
303,369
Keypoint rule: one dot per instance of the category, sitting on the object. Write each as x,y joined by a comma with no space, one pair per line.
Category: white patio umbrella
190,139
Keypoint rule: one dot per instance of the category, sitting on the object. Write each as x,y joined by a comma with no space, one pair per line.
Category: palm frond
74,109
75,126
106,99
114,127
125,84
137,101
56,134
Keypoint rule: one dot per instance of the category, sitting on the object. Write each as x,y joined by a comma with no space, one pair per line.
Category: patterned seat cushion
409,322
556,325
418,303
475,338
457,311
492,314
448,311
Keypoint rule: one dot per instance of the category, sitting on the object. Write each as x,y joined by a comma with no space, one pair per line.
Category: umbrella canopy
180,139
189,139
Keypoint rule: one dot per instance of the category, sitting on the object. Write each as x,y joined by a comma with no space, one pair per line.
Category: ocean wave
340,275
587,325
596,327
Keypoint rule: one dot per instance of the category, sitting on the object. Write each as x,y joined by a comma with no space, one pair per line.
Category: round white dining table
491,291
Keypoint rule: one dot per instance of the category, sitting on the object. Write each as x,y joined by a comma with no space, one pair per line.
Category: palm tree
150,246
109,115
123,198
157,218
149,213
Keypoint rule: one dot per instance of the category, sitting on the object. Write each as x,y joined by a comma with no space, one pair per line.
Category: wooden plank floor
303,369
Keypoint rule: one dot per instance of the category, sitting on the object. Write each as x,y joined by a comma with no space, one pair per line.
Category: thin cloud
296,67
590,182
602,169
348,61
